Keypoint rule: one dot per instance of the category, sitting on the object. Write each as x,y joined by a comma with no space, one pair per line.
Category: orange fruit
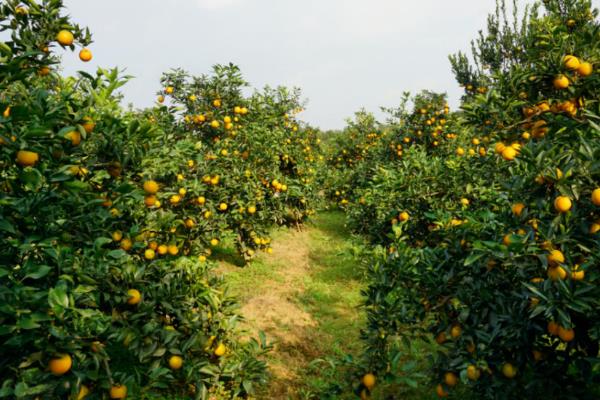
133,297
556,257
509,153
552,328
369,381
27,158
585,69
65,38
126,244
450,379
118,392
596,197
571,62
577,274
560,82
85,55
473,373
173,250
60,365
220,350
562,204
518,208
150,200
151,187
162,249
499,148
149,254
251,209
455,331
557,273
175,362
566,334
83,392
509,371
404,216
441,338
88,125
440,391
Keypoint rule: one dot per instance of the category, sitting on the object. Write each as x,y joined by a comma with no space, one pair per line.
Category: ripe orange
60,365
149,254
117,236
27,158
566,334
440,391
150,200
562,204
163,249
173,250
88,125
175,362
552,328
65,38
151,187
369,381
223,206
220,350
118,392
74,137
509,371
585,69
473,373
577,274
133,297
126,244
85,55
556,257
455,331
499,148
509,153
404,216
83,392
251,209
571,62
518,208
557,273
450,379
596,197
560,82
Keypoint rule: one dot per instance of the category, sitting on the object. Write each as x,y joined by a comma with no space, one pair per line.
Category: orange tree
508,290
229,164
86,312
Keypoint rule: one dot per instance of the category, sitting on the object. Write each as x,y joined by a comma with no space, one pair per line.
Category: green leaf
40,272
57,297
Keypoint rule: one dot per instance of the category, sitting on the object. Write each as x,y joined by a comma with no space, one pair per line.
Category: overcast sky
343,54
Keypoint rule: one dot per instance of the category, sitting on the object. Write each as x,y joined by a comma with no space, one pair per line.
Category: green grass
321,272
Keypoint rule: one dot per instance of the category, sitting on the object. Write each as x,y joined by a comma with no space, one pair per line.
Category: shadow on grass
228,255
333,224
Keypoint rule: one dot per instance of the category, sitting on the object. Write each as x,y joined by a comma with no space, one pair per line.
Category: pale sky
343,54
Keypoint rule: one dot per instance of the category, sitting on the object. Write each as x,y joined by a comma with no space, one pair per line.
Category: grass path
305,297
